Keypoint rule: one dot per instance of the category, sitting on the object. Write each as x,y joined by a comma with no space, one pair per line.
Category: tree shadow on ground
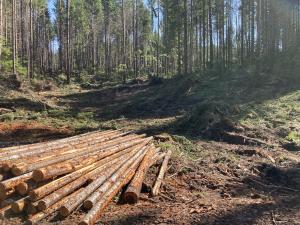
180,96
26,133
280,190
23,103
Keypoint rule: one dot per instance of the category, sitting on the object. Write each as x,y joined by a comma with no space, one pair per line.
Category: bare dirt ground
243,177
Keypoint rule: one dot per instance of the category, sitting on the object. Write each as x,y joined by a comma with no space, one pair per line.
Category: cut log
161,174
55,143
157,158
41,215
48,146
13,182
81,152
107,168
77,163
25,187
55,185
19,206
44,153
100,206
19,160
26,147
6,194
44,159
133,190
112,177
3,211
85,169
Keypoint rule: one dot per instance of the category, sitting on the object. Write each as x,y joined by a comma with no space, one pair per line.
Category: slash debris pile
86,170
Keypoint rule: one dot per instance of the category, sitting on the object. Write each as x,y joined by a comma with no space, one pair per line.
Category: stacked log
60,176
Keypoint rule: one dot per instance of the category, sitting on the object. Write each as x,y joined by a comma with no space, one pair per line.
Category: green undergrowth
274,113
184,107
181,146
57,118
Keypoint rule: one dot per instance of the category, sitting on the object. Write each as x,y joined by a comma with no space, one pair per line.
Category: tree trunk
124,40
68,43
14,35
30,43
204,33
242,32
211,43
1,27
158,38
185,37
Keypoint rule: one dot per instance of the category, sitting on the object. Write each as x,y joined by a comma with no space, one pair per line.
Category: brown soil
28,132
225,182
228,184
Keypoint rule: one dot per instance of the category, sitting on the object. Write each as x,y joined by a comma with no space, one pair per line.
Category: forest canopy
122,39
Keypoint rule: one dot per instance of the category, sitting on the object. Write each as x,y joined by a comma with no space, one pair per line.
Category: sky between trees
119,39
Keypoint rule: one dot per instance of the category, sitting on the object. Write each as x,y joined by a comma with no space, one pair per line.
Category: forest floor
235,142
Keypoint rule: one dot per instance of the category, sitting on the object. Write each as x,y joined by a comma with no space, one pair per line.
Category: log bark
52,144
35,155
19,206
74,164
55,185
133,190
81,152
32,155
101,205
112,176
41,215
163,169
6,194
25,187
41,160
26,147
13,182
157,158
4,210
108,168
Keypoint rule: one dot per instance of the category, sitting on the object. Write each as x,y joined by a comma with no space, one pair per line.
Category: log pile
87,170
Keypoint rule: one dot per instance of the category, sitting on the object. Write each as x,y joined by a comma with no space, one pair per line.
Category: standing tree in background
30,43
106,6
13,22
164,37
68,43
1,27
185,57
